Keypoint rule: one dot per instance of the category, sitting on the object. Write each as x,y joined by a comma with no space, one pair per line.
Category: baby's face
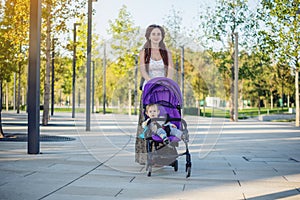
153,112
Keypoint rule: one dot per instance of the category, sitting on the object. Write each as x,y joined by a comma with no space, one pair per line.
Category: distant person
155,61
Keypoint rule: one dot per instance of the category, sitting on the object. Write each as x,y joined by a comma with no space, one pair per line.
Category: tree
14,28
282,31
80,71
14,38
254,71
197,74
174,37
124,48
63,77
229,17
55,14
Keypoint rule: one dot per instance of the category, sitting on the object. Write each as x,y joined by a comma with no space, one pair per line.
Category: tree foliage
125,46
268,43
229,17
282,33
13,38
55,14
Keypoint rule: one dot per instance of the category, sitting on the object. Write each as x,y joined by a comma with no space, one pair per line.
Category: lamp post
14,101
74,70
33,146
104,77
52,89
297,124
88,66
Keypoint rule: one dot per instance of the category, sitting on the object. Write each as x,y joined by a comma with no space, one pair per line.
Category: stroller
166,93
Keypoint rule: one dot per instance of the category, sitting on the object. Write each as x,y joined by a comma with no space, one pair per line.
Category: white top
156,69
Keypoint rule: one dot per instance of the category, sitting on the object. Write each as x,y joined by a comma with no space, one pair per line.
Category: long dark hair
162,47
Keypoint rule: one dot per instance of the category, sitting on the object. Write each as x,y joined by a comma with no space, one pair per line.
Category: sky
143,12
146,12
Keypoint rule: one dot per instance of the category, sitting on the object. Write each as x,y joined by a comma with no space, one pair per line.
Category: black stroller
166,93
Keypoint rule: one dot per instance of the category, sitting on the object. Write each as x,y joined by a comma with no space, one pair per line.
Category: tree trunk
48,69
7,98
1,130
272,103
19,88
232,101
258,104
297,124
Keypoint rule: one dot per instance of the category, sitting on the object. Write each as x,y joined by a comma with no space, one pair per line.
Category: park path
230,160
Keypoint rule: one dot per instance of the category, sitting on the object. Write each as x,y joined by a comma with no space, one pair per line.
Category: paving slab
248,159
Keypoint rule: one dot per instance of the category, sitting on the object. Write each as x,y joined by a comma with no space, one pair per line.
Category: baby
152,111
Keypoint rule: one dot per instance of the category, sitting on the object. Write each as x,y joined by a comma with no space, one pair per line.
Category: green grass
77,110
107,110
284,120
209,112
243,113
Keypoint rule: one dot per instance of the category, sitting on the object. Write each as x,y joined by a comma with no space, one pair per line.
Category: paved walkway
245,160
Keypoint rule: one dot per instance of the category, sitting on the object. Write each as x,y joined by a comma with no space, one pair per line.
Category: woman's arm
170,66
143,66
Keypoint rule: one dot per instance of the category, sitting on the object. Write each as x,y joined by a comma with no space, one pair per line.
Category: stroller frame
154,146
166,93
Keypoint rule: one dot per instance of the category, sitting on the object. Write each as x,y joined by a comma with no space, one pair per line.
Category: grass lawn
207,112
243,113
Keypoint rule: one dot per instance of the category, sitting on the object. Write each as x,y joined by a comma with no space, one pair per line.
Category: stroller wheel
175,165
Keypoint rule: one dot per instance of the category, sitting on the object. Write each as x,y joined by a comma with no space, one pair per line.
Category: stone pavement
245,160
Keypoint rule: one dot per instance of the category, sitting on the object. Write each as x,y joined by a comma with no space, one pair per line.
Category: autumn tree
81,59
174,37
14,28
218,25
282,18
56,14
124,44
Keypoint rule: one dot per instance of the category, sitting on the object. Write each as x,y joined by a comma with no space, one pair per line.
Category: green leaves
123,49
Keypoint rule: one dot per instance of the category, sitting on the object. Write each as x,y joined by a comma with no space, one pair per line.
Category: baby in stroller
163,131
162,102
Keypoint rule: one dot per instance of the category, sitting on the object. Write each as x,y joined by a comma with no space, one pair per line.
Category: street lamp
52,90
74,70
33,146
104,77
88,65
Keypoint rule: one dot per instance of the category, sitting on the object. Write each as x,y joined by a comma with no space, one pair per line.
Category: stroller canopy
163,91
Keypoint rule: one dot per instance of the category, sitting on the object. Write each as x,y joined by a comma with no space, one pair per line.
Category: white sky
146,12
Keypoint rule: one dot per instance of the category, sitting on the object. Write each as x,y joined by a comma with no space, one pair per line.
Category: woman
155,61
